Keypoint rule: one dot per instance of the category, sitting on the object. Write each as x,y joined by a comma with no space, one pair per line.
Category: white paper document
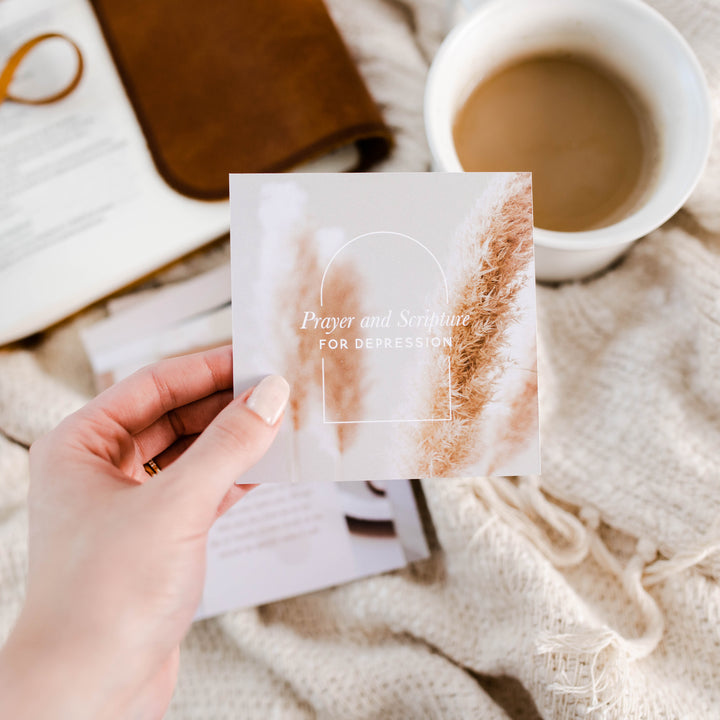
83,211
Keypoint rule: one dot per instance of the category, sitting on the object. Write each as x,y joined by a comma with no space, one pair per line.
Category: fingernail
269,398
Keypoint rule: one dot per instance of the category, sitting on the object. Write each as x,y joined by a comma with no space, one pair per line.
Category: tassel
685,559
521,506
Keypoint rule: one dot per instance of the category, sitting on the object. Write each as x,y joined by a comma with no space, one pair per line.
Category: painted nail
269,398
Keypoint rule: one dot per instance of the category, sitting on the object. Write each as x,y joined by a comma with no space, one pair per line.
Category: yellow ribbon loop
8,72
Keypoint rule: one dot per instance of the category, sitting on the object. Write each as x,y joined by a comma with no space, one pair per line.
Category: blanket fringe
593,667
595,662
691,556
522,505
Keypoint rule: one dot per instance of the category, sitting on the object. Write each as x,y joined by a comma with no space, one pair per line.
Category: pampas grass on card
493,253
345,385
299,292
521,424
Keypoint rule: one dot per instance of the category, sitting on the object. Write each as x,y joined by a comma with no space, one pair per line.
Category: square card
401,309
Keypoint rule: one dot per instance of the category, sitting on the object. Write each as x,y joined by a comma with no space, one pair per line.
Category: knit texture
591,592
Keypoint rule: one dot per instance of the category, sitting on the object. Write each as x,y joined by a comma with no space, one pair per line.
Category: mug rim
622,232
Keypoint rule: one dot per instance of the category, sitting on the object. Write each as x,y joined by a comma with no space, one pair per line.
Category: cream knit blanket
591,592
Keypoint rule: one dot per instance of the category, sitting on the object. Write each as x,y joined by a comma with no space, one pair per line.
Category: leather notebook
244,86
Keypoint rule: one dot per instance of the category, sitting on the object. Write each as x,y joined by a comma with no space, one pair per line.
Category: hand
116,557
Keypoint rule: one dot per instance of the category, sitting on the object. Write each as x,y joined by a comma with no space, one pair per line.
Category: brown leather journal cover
243,86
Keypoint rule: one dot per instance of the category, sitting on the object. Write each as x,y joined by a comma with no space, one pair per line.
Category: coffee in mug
586,135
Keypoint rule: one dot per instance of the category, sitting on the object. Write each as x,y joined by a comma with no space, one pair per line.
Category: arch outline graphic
447,300
385,232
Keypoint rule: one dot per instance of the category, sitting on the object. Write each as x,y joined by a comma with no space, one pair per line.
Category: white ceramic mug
627,36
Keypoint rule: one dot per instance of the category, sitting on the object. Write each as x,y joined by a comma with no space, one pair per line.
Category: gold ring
151,467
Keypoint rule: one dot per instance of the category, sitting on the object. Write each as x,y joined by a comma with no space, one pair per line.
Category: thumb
231,444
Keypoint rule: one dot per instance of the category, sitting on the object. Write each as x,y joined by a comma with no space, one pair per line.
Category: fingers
235,440
236,493
165,458
135,403
189,419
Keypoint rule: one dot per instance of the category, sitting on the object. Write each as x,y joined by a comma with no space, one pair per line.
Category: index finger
139,400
